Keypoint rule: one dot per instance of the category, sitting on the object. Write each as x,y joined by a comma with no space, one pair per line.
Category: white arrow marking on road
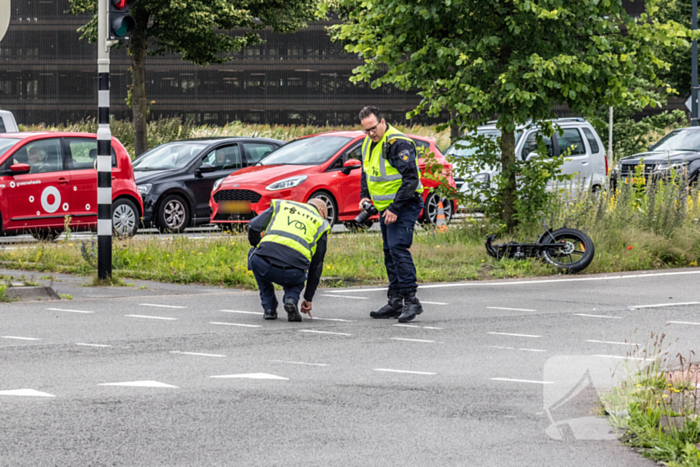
25,392
344,296
92,345
522,381
69,311
236,324
509,309
244,312
405,371
22,338
683,322
197,354
410,340
161,306
659,305
300,363
252,376
609,342
325,332
151,317
510,334
141,384
597,316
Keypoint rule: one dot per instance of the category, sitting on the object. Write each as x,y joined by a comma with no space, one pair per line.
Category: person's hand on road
389,217
306,308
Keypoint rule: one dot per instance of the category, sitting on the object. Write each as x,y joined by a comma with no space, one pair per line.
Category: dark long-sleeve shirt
281,255
402,156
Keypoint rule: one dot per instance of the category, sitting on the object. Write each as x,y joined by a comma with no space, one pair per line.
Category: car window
256,151
226,157
595,149
354,153
83,154
168,156
530,145
313,150
570,138
422,148
5,144
679,140
2,126
42,155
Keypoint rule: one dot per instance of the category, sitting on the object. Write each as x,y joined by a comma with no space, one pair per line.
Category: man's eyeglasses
371,130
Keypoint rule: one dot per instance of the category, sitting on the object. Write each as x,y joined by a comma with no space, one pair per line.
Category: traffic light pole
694,71
104,149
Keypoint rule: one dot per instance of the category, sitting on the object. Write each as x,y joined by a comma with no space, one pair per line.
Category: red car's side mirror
350,165
19,169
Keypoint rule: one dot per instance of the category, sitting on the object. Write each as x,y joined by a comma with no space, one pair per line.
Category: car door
80,158
40,198
225,159
255,151
348,185
577,163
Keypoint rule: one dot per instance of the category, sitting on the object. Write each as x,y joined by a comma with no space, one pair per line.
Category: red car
48,176
325,166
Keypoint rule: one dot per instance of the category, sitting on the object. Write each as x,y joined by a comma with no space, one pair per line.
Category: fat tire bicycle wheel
575,256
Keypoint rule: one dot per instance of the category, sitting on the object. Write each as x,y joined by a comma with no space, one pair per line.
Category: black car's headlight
145,188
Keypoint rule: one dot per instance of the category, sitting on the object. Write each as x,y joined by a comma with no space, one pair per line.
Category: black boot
270,314
392,309
290,306
411,306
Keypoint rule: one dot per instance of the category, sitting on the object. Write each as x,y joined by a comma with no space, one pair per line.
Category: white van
7,122
587,162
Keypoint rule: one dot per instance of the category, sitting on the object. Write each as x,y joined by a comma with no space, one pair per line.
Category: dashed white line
510,309
405,371
501,347
22,338
683,322
512,334
299,363
243,312
325,332
597,316
433,303
69,311
522,381
92,345
344,296
410,340
407,326
165,318
334,319
533,350
609,342
431,327
161,306
197,354
238,324
659,305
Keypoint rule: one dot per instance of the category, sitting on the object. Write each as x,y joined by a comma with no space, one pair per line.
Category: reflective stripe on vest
297,226
383,180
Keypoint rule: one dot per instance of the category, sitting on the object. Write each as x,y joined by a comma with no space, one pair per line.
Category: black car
678,152
175,179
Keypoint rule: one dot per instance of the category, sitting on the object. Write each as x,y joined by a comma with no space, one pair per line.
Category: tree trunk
509,191
139,103
454,129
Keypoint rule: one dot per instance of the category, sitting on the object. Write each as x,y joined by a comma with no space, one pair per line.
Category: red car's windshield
7,143
306,151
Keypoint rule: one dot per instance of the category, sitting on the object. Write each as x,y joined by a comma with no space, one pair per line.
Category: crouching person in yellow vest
289,242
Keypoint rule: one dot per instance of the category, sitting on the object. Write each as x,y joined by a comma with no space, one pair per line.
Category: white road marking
597,316
243,312
619,357
522,381
326,332
25,392
197,354
533,350
252,376
161,306
511,309
511,334
300,363
345,296
237,324
334,319
683,322
22,338
407,326
410,340
609,342
434,303
431,327
660,305
151,317
92,345
69,311
502,348
405,371
140,384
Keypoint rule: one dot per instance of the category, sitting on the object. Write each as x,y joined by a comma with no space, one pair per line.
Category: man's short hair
369,111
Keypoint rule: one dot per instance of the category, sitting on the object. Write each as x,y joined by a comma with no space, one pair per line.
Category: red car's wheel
331,205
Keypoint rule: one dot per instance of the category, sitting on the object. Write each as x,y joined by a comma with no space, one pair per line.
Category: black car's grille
628,170
237,195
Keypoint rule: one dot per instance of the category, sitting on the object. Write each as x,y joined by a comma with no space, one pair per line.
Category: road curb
26,294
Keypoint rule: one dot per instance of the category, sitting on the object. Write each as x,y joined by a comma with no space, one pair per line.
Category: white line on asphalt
161,306
683,322
660,305
407,326
430,327
511,309
533,350
544,281
502,348
325,332
69,311
597,316
243,312
151,317
92,345
619,357
522,381
411,340
334,319
434,303
344,296
510,334
609,342
299,363
236,324
197,354
22,338
404,371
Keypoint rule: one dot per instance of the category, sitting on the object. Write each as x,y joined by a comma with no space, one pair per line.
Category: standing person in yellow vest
392,182
289,241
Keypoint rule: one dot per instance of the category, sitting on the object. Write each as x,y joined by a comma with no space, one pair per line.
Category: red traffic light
120,4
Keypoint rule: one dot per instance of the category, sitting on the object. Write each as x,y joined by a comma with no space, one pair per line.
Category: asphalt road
492,373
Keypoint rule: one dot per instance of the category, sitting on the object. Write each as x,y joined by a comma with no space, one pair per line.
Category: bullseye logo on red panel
50,199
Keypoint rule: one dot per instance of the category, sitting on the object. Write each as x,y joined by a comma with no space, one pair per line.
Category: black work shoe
392,309
411,307
270,314
290,306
